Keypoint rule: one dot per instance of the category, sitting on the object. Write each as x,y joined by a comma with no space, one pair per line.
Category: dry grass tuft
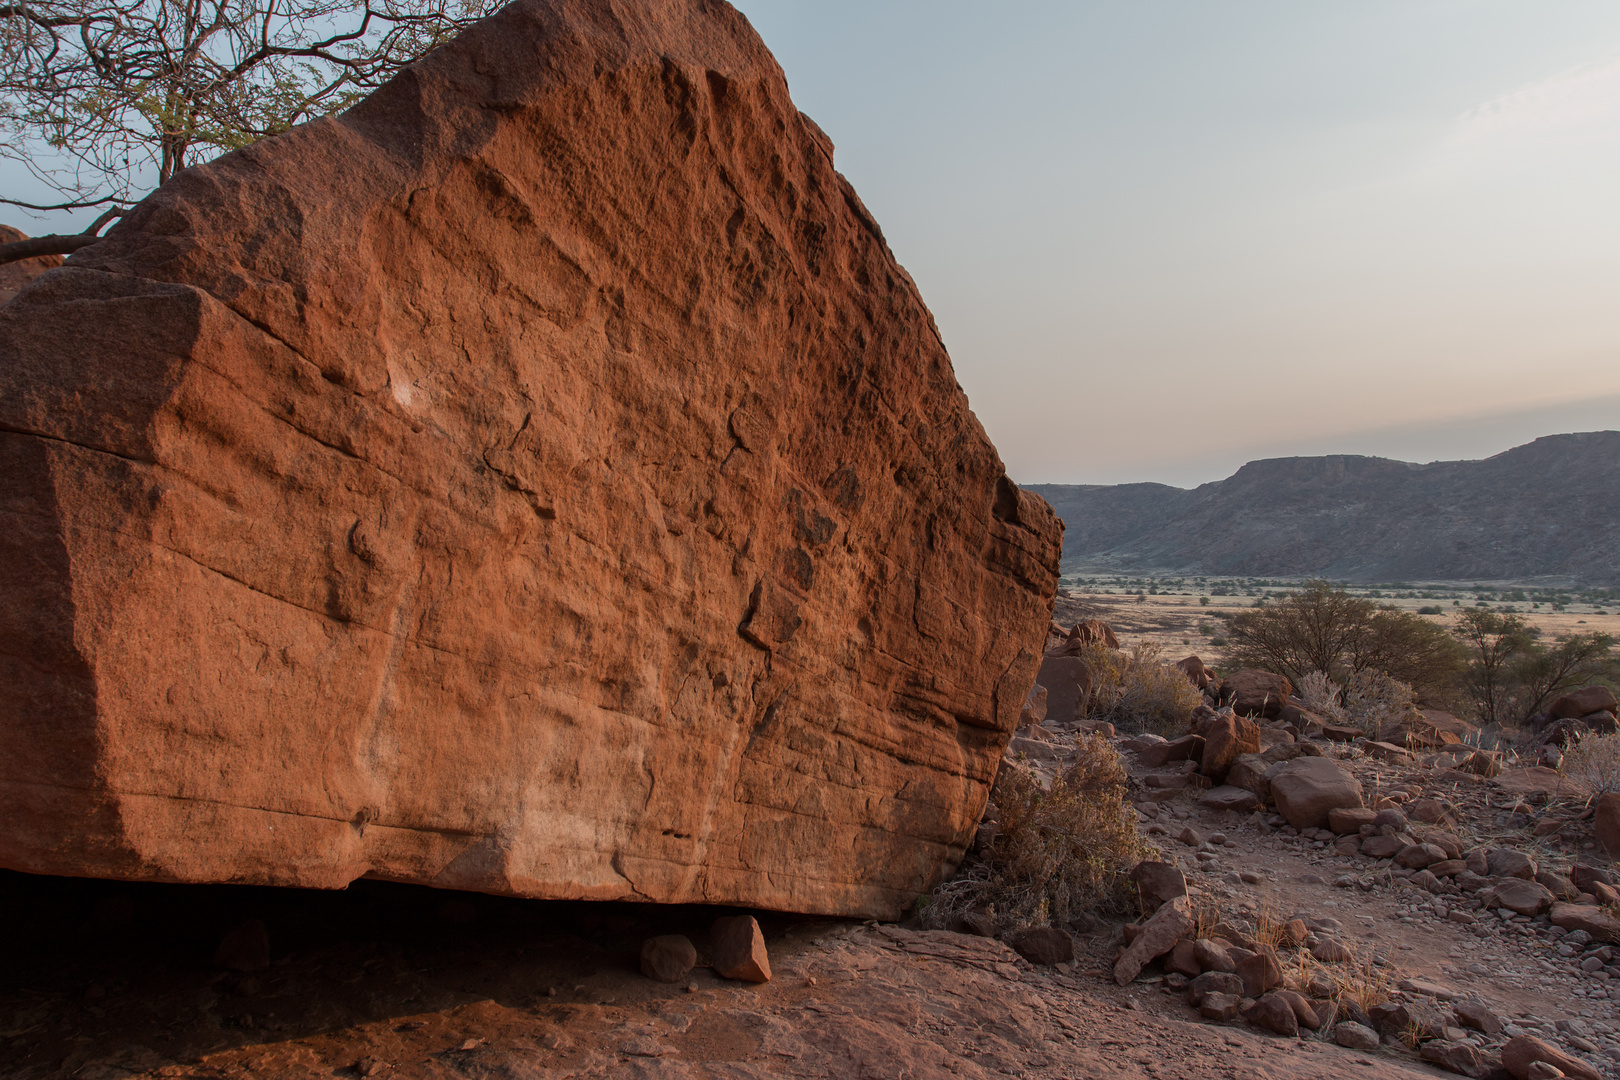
1060,854
1594,764
1137,691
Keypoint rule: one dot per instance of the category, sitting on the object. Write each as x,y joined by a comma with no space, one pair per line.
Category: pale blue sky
1164,237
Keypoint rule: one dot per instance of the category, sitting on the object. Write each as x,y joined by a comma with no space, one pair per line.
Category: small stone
1457,1057
1540,1070
245,947
1190,836
1259,973
1219,1006
1273,1013
1044,945
1355,1036
668,958
738,949
1214,982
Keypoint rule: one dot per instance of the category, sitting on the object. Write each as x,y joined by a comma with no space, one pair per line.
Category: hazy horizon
1165,238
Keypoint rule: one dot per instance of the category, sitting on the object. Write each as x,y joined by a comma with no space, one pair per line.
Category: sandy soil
103,981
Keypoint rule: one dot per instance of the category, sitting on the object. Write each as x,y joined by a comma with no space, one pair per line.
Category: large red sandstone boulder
14,275
541,479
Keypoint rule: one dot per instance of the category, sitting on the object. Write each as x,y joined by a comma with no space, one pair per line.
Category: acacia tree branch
57,243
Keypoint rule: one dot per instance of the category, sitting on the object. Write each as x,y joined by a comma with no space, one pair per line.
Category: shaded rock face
541,479
14,275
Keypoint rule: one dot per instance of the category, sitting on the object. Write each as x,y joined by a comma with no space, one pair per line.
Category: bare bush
1594,763
1321,696
1373,699
1060,854
1137,691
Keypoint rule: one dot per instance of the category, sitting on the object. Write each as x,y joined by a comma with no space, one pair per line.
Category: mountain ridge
1546,509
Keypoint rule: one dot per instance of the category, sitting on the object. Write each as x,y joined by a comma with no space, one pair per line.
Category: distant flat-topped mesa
541,479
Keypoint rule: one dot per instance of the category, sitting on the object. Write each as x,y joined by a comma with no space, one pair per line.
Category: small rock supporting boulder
738,949
668,958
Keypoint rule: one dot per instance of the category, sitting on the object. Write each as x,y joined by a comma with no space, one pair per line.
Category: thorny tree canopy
102,99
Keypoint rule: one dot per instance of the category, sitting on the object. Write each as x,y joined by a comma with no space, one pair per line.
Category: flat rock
1307,789
1587,917
1044,945
1226,797
1520,1051
539,479
1355,1036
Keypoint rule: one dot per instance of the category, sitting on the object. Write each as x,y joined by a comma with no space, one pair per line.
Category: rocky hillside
1545,509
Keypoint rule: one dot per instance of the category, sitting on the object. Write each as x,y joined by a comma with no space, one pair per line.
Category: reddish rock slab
1158,935
1584,702
540,479
14,275
1606,823
1307,789
1586,917
1519,1052
1252,692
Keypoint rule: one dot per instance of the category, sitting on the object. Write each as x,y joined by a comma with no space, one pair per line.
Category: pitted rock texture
14,275
541,479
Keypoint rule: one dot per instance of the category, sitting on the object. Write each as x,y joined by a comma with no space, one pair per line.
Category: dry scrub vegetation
1137,691
1059,855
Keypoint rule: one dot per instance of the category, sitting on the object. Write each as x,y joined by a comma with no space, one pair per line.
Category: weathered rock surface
1068,681
14,275
1606,823
1307,789
540,479
1583,702
1158,936
1520,1051
1252,692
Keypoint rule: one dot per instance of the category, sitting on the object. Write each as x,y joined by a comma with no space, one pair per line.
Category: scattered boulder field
1397,891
